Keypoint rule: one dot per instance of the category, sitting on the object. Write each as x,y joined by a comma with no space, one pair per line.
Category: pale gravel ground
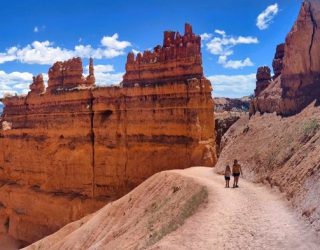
250,217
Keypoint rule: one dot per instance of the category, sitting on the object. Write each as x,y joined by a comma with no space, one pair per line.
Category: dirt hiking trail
249,217
211,217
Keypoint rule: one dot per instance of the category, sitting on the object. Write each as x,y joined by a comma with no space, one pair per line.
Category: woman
236,171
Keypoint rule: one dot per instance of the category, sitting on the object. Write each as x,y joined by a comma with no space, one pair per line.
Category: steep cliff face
69,150
296,66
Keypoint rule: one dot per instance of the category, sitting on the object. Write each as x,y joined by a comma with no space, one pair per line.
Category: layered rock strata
74,147
296,82
179,57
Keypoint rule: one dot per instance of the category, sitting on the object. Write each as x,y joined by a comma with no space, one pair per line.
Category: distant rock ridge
296,65
67,150
69,74
178,58
225,104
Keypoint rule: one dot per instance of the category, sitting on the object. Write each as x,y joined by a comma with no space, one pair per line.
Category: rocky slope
136,221
222,104
282,152
73,147
296,65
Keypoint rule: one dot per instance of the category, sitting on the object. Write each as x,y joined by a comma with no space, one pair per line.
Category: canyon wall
282,147
69,149
296,66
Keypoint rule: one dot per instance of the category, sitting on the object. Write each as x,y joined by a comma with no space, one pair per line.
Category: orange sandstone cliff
69,149
296,66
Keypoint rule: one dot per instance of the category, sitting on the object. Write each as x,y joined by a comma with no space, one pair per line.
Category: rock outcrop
69,74
277,63
263,79
74,147
296,82
37,86
178,58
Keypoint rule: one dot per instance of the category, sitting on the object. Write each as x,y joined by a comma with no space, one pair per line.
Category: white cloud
46,53
15,82
102,68
107,79
220,32
136,52
205,36
37,29
233,86
235,64
42,53
112,42
265,18
223,44
104,75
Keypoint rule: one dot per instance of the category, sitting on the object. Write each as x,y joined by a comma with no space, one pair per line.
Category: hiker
227,175
236,171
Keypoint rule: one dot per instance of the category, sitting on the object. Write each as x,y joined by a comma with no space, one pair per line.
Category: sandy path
250,217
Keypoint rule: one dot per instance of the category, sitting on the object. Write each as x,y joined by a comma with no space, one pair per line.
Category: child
227,175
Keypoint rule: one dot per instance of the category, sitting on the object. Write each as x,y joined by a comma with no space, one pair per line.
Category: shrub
310,128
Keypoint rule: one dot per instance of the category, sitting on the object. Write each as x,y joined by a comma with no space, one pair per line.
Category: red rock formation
68,75
37,86
71,150
277,62
90,80
178,58
297,76
263,79
300,78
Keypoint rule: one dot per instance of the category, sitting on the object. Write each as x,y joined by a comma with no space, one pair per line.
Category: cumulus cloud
265,17
36,29
112,42
14,82
205,36
102,68
18,82
222,45
46,52
233,86
220,32
105,75
235,64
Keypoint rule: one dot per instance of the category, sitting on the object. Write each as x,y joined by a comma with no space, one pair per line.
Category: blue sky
33,34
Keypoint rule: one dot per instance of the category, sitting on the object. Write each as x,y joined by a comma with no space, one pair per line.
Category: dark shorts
227,178
236,174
